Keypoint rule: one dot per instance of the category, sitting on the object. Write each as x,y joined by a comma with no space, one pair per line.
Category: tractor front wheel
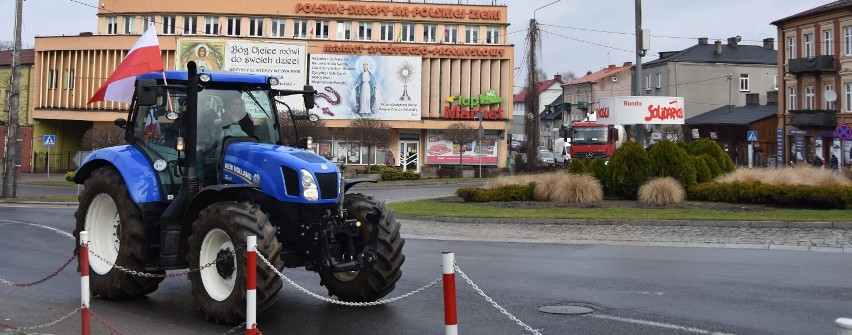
218,247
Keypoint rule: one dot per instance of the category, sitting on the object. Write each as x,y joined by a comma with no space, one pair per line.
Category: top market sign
640,110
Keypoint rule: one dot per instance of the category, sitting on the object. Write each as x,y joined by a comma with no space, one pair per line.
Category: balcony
813,117
815,64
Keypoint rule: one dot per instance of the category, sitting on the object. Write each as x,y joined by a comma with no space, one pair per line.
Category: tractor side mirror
146,92
306,143
309,96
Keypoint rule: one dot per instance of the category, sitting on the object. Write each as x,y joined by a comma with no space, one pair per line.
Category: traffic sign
752,136
49,140
843,131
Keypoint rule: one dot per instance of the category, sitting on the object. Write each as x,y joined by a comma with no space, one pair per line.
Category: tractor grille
328,185
291,181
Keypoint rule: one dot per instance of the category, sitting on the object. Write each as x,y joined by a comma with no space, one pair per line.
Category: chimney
732,41
627,64
557,77
610,68
752,99
718,47
702,40
772,98
769,43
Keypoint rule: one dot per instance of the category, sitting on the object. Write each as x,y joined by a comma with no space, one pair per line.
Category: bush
662,191
669,160
628,169
69,176
598,168
712,164
578,166
707,146
396,173
702,170
503,193
797,196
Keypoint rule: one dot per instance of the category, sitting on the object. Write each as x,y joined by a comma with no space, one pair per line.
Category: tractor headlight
309,186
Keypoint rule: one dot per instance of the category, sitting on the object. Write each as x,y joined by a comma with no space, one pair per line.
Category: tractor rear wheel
376,281
117,237
219,289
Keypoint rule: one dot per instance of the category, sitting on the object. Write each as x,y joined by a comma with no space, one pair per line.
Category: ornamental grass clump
662,191
548,185
573,188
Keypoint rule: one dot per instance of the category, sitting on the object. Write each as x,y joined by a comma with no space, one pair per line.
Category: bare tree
7,45
318,130
673,132
102,136
369,133
568,76
460,133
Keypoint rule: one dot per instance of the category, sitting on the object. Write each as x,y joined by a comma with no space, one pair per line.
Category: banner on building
441,151
640,110
286,61
375,87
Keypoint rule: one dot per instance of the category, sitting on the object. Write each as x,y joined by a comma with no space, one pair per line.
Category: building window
744,82
848,99
112,25
386,32
69,79
827,40
792,94
659,80
211,25
829,104
278,26
809,97
256,27
146,21
791,47
51,79
492,35
190,25
168,25
775,82
451,34
429,31
300,29
647,82
320,30
809,45
344,31
128,25
365,31
847,39
234,24
407,33
471,35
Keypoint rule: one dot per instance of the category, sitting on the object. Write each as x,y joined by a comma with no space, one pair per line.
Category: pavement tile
826,249
789,247
745,246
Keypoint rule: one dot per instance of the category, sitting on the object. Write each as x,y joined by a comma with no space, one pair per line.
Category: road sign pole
48,163
750,155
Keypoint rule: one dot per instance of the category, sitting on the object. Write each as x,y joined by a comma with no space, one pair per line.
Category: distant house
548,91
25,120
817,82
582,92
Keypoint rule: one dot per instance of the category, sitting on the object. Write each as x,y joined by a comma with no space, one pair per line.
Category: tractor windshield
234,113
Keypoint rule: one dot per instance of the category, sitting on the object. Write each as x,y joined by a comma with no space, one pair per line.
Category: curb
617,222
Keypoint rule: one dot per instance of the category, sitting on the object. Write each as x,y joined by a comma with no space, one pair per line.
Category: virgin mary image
365,91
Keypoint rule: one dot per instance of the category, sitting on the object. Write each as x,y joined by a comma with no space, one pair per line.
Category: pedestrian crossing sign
49,140
752,136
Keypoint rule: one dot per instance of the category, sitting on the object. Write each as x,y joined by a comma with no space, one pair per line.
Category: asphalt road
633,290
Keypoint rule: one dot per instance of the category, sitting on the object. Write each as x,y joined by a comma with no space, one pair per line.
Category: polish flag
143,58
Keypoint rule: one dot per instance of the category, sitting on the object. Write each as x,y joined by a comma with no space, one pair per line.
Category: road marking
64,233
658,324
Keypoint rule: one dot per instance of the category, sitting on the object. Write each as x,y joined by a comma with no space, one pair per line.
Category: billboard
375,87
441,151
640,110
286,61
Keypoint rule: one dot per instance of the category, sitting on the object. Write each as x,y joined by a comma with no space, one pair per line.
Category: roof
742,115
553,110
604,73
27,57
829,7
706,53
542,85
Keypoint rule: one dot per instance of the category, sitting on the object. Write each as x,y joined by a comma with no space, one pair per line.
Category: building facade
25,120
815,62
430,65
581,93
548,90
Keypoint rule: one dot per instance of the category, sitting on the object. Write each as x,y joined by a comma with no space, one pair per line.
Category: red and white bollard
84,281
251,285
451,323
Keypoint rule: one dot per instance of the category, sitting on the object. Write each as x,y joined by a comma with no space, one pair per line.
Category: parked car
546,158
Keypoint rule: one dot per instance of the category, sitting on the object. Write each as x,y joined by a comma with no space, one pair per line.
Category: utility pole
10,173
531,101
639,129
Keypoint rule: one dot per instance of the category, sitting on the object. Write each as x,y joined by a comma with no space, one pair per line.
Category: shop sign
405,50
471,112
398,11
640,110
489,98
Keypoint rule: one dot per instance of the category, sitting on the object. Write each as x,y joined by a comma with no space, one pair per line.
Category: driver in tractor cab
218,119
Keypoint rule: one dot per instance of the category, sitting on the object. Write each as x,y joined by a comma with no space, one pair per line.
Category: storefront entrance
409,157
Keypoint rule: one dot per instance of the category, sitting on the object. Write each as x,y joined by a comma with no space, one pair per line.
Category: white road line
658,324
64,233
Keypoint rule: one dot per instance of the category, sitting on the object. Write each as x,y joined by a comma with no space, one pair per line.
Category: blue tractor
204,166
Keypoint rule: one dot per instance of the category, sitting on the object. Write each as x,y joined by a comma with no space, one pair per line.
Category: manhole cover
566,310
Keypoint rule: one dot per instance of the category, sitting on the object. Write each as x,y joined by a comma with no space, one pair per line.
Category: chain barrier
157,275
54,274
238,327
493,303
344,303
111,328
10,327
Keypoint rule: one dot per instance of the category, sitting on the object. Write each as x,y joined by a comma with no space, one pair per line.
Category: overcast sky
577,35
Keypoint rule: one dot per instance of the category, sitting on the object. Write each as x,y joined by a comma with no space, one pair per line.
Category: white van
562,151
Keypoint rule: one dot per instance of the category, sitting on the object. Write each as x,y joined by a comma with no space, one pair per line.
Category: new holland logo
489,98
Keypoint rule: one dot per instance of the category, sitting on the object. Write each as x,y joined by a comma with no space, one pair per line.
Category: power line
587,42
